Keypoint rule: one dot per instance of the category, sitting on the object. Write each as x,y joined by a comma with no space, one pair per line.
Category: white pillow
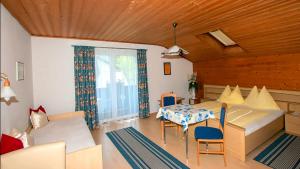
26,139
38,119
235,97
252,96
265,101
225,94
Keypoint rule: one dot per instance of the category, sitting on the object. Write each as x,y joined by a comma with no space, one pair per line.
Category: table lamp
6,92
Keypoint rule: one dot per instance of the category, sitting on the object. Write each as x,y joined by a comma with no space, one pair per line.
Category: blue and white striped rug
140,152
283,153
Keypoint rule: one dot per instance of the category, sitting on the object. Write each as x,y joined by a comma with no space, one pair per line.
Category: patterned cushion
40,108
26,139
202,132
38,119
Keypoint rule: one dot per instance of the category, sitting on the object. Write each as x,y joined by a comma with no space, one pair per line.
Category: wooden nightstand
292,123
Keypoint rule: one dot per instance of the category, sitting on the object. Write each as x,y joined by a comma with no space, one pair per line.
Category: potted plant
193,85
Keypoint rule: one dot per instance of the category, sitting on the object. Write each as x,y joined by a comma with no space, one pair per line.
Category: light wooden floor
150,127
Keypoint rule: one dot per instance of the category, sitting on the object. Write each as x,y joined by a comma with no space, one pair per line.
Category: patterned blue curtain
85,84
142,84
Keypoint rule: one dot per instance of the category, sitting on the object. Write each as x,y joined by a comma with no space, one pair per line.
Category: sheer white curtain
116,83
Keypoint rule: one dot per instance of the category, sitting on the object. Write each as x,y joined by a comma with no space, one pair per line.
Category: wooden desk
178,100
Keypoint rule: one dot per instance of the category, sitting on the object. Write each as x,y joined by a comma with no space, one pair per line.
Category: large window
116,83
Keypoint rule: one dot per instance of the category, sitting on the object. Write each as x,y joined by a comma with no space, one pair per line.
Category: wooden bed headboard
286,100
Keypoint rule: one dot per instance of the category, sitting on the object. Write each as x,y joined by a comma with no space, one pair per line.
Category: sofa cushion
26,139
73,131
40,108
38,119
9,144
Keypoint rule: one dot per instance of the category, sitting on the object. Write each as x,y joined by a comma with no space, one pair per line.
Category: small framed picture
20,74
167,68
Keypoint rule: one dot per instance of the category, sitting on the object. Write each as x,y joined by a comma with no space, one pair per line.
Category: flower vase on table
193,93
193,85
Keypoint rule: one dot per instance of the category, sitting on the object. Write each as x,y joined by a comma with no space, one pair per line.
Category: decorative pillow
252,96
38,119
40,108
23,136
9,144
225,94
265,101
235,97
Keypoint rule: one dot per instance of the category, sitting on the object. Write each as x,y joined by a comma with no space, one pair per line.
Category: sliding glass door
116,83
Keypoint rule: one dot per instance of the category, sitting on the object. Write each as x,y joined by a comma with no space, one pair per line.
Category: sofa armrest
89,158
46,156
62,116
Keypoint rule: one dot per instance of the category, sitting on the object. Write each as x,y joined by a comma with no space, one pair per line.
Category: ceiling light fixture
175,51
222,37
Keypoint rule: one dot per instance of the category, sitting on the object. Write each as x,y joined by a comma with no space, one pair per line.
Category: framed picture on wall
167,68
20,74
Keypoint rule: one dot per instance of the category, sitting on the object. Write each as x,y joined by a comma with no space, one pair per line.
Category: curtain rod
108,47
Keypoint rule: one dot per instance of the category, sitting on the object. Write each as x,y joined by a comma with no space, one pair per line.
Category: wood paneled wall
275,72
259,27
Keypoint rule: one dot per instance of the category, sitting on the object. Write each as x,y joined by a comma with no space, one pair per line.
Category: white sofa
81,151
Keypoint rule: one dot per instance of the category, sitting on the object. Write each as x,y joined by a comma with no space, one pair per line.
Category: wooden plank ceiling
260,27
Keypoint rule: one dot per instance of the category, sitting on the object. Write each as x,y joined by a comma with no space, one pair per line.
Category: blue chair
206,135
167,99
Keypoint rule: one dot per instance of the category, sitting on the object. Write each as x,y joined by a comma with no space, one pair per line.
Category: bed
248,128
243,116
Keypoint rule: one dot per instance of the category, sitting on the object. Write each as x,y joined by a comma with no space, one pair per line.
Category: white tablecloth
184,114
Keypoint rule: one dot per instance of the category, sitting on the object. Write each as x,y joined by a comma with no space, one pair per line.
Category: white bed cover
74,132
243,116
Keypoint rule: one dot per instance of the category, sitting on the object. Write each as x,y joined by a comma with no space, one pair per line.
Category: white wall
15,46
53,72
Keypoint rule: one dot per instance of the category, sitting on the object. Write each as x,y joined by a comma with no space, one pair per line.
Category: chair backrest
223,114
168,99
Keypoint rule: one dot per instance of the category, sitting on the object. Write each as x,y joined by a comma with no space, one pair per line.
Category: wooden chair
211,135
168,99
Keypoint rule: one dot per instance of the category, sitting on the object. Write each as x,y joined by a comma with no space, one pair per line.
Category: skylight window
221,37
